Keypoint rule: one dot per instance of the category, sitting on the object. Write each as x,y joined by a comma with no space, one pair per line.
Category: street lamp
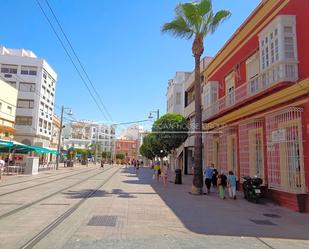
60,132
157,112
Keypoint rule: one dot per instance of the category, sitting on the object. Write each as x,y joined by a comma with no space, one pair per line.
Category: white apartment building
81,134
175,93
182,86
35,81
104,135
132,132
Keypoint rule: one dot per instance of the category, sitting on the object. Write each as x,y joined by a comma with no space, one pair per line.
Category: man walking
2,164
208,173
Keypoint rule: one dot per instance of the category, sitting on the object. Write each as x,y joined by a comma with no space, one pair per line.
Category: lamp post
157,112
60,132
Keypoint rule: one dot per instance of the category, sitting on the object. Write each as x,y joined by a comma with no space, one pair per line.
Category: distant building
8,99
35,81
81,134
133,132
127,147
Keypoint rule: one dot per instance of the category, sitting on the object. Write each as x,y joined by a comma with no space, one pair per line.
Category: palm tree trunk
197,187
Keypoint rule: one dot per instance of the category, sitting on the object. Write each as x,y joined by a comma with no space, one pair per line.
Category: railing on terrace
280,72
189,109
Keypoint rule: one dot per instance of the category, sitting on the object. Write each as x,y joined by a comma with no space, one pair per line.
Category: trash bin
178,179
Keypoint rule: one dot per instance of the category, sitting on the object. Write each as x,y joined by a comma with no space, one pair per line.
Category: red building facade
258,113
129,148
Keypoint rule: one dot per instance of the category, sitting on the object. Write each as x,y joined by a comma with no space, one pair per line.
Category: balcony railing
189,109
279,72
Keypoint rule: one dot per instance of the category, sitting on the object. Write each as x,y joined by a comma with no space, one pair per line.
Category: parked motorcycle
252,188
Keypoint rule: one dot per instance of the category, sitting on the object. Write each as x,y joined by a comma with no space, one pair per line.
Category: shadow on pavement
99,193
207,214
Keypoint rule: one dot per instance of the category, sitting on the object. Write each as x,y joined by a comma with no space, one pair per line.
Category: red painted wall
300,8
130,147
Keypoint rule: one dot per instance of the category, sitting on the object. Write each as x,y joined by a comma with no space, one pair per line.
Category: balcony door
252,71
232,153
256,160
230,89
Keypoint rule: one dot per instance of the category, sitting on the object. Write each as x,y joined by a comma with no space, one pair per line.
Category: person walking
222,183
137,167
102,164
208,173
2,164
157,172
165,173
214,178
232,185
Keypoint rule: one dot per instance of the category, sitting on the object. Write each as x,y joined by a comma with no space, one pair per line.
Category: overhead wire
79,61
71,59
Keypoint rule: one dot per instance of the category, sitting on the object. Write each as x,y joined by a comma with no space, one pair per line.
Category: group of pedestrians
223,182
161,172
136,164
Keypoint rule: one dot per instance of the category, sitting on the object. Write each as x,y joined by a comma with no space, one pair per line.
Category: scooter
252,188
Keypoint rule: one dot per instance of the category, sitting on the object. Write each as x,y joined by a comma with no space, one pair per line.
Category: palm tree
196,20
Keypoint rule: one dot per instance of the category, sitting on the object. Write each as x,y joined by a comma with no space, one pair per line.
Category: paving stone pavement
150,216
133,211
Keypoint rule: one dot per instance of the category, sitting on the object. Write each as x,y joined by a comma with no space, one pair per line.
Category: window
40,122
28,70
12,69
210,93
25,103
43,90
278,41
26,87
178,98
289,47
12,83
252,71
23,120
285,150
230,88
45,124
10,110
41,106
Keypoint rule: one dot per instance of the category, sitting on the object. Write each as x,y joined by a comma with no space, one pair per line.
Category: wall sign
278,136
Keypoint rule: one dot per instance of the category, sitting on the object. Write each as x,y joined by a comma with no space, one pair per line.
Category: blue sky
120,45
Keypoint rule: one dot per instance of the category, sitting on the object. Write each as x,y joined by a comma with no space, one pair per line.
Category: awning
4,143
42,150
19,148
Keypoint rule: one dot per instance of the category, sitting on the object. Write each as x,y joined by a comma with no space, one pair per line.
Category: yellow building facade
8,99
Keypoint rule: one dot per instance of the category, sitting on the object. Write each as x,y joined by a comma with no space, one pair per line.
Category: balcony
280,72
189,109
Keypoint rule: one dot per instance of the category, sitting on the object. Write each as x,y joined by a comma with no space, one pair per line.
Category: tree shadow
84,193
209,215
99,193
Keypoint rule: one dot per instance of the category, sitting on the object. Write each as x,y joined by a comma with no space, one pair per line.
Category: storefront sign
278,136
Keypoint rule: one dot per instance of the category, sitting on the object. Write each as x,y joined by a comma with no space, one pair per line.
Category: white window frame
210,93
230,89
272,41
